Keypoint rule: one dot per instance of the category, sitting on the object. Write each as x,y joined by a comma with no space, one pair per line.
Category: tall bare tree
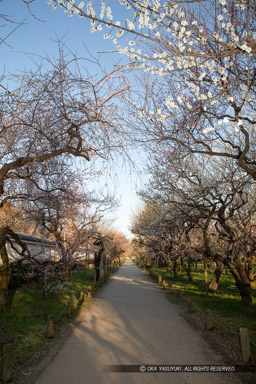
55,112
213,198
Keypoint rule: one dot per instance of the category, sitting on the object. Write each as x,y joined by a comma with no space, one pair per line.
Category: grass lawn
25,325
225,305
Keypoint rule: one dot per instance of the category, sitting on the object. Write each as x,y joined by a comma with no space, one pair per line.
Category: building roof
34,239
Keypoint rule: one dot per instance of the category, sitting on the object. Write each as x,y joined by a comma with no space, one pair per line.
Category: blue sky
37,38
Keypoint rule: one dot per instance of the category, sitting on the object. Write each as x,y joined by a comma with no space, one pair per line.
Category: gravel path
132,322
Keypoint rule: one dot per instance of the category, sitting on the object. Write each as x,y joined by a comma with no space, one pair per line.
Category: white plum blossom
179,99
209,129
109,13
245,48
202,49
81,5
119,33
231,99
170,102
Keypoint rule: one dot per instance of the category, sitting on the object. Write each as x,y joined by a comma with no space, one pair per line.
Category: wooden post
245,344
89,294
178,296
49,327
165,285
160,280
190,305
170,289
45,284
90,287
7,363
209,320
206,289
70,309
81,299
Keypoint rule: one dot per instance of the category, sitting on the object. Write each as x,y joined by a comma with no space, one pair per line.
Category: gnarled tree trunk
243,283
7,235
251,275
215,279
64,254
4,279
175,268
188,270
241,279
98,258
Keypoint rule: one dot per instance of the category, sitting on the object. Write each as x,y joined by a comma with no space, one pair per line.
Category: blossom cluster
202,47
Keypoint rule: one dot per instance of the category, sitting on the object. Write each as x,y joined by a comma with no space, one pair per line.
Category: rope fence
8,350
6,359
243,334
